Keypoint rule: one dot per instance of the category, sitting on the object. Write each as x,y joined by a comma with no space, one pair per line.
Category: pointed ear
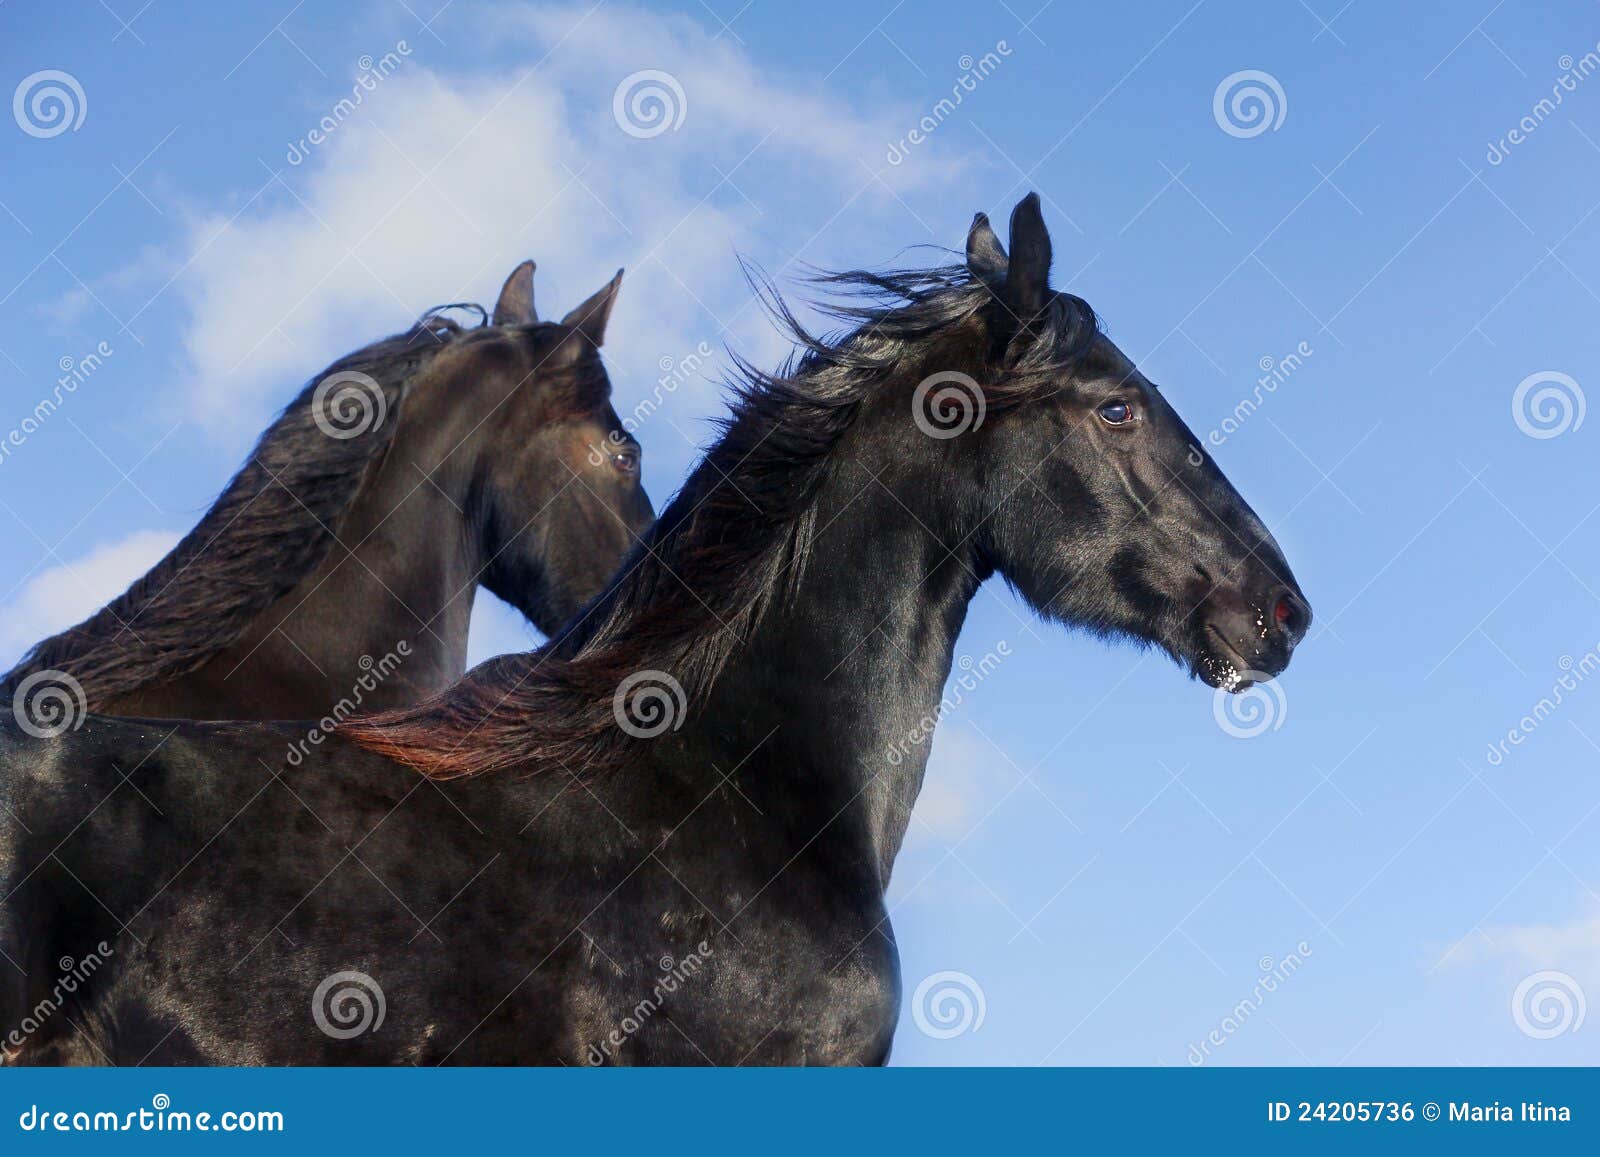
590,318
986,257
515,306
1028,276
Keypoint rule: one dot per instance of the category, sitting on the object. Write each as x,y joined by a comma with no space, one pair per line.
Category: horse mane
733,543
271,526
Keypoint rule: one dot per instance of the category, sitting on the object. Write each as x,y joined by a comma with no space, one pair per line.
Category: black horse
702,788
340,564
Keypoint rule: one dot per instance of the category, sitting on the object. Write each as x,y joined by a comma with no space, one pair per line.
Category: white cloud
66,594
439,184
1571,946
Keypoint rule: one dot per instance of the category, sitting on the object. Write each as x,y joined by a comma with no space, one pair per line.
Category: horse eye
1116,413
626,459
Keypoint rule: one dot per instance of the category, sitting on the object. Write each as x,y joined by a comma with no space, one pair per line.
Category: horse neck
853,668
394,593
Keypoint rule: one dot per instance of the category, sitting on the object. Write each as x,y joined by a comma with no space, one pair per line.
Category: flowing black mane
271,527
736,539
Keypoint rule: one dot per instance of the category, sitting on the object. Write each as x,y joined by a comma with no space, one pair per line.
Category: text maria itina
1494,1111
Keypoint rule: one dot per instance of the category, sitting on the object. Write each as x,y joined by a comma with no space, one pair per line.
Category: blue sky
1096,855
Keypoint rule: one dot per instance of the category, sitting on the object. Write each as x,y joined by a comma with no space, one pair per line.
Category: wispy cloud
440,183
59,596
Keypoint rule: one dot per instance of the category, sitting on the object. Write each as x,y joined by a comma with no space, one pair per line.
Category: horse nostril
1290,614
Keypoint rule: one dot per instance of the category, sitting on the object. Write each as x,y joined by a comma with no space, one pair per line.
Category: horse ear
590,318
1028,275
515,306
986,257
